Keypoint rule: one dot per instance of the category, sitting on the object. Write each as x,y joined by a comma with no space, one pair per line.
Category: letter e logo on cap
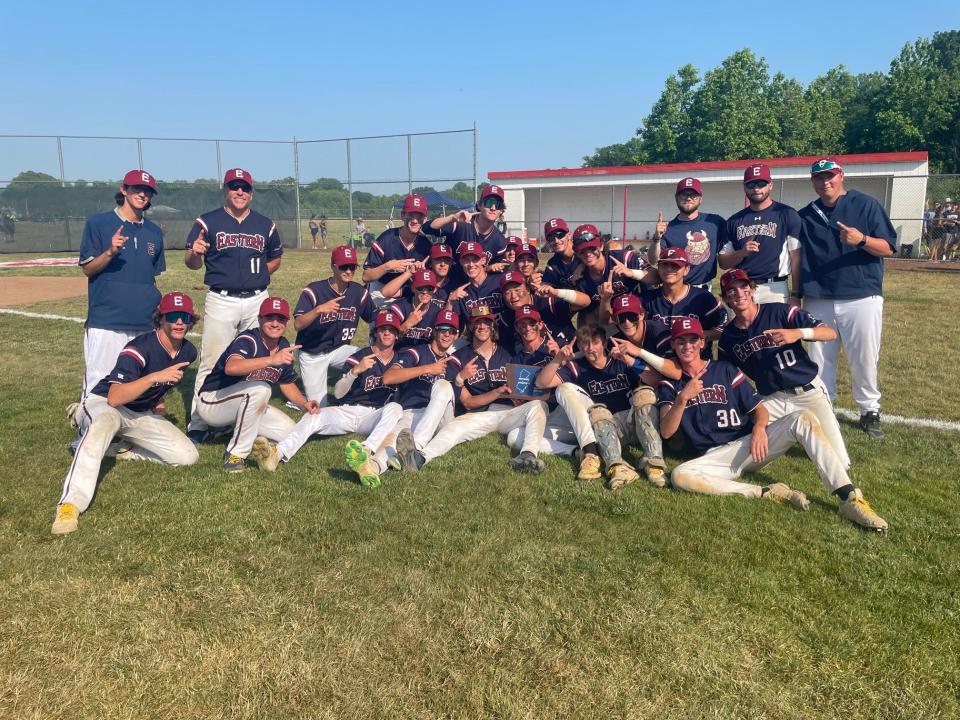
238,173
145,177
178,300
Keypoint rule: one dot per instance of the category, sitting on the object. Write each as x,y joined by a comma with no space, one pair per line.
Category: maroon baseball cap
140,177
237,174
447,317
275,306
387,318
757,172
424,278
689,183
482,312
732,276
685,326
555,225
467,249
489,190
627,303
586,236
512,276
343,255
514,240
176,302
439,251
527,312
526,248
415,204
675,255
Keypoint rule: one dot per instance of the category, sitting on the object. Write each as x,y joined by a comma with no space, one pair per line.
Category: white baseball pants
154,438
224,318
568,424
773,291
532,416
314,368
246,406
100,351
780,404
718,470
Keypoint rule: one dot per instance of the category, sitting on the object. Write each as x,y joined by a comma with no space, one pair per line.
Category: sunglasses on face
558,235
175,317
493,203
628,317
142,190
756,184
346,268
446,329
237,185
425,289
416,217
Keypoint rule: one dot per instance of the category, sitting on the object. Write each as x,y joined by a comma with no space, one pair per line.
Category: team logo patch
151,248
698,247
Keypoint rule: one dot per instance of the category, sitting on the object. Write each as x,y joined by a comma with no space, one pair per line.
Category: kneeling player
363,407
125,404
237,392
724,418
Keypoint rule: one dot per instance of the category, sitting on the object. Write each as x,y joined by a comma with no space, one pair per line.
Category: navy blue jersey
721,412
610,385
701,238
422,332
415,393
368,388
559,270
621,284
249,345
440,295
656,338
331,330
239,249
776,228
696,303
488,376
832,269
494,243
123,295
770,366
141,356
538,358
486,293
556,314
389,247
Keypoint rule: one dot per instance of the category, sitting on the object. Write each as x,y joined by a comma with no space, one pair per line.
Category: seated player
480,289
564,264
765,342
440,261
128,403
326,319
420,376
363,406
481,376
396,249
418,314
723,417
237,392
638,338
617,401
555,306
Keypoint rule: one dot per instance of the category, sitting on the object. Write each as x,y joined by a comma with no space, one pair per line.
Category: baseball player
563,264
121,254
478,227
397,249
844,236
481,377
440,261
648,341
762,239
421,376
237,391
765,343
555,307
507,259
363,406
482,289
616,400
418,314
326,319
700,234
723,417
128,403
241,249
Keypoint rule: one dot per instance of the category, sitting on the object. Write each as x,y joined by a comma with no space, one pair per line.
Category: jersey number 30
728,418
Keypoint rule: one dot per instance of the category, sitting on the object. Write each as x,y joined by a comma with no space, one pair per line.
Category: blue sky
546,83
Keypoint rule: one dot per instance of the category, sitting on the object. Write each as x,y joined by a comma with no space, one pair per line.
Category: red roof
688,168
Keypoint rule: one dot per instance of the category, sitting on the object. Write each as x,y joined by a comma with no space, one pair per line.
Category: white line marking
45,316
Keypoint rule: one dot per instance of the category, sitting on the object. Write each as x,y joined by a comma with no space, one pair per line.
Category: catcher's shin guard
645,416
608,436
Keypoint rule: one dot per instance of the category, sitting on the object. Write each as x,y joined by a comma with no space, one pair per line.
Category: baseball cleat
233,463
72,414
527,462
656,476
411,459
360,462
857,510
870,424
589,468
265,455
197,436
620,474
785,495
66,520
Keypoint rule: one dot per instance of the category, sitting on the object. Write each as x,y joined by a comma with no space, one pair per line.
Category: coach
844,237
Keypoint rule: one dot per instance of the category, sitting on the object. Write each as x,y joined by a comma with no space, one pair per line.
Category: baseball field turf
469,591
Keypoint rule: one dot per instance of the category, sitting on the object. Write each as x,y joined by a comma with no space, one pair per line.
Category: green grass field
467,590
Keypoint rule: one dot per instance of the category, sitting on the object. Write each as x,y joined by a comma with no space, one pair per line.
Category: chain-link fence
49,185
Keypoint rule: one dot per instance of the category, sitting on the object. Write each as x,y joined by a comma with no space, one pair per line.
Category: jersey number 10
786,359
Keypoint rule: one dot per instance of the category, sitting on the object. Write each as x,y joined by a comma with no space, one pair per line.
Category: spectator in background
314,229
323,231
951,229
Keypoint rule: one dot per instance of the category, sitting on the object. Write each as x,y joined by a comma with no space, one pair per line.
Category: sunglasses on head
756,184
238,185
493,202
178,316
346,268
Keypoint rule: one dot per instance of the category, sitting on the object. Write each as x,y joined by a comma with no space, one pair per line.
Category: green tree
829,98
32,178
628,153
423,189
665,132
789,105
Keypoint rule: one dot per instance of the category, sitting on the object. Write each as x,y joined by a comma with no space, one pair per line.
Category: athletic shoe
656,476
527,462
785,495
197,436
589,468
360,462
72,414
870,424
857,510
411,459
265,455
118,448
620,474
66,520
233,463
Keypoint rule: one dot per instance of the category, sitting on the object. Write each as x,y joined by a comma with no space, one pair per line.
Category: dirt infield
20,290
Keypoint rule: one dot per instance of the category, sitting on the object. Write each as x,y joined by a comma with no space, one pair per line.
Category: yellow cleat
589,468
66,520
857,510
